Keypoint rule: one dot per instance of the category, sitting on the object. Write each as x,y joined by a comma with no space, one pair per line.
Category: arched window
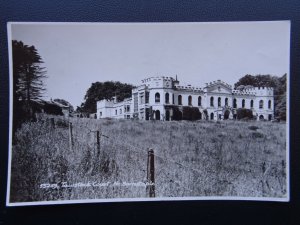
179,100
167,98
157,97
199,101
226,101
212,116
190,100
269,104
251,104
234,103
261,117
261,104
243,103
219,102
212,101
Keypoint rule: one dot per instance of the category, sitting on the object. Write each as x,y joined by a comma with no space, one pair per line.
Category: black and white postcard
105,112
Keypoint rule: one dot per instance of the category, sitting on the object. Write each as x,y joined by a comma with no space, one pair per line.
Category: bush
244,113
177,114
253,128
257,135
53,109
191,113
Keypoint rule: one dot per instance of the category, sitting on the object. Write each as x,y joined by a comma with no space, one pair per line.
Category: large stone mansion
157,97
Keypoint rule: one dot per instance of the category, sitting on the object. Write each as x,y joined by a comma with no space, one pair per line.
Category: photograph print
105,112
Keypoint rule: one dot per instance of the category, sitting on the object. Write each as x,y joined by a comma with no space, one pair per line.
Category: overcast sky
78,54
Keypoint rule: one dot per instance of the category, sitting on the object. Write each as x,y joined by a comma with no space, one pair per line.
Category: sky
77,54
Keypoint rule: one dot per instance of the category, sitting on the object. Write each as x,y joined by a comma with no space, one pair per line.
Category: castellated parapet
159,97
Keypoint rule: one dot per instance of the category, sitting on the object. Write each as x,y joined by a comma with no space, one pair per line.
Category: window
190,100
167,98
251,104
141,99
234,103
212,116
270,104
212,101
135,102
243,103
100,114
173,100
199,101
116,112
226,101
261,104
157,98
147,97
179,100
219,102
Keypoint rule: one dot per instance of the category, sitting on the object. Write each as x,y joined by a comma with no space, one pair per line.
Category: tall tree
28,72
257,81
28,77
278,84
104,90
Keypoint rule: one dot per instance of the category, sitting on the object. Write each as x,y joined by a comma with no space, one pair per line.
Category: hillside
227,158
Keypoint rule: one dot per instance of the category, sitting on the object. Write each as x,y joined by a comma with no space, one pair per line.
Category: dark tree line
28,77
104,90
64,103
279,85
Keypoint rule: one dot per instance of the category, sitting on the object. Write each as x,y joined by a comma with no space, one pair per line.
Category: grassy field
225,158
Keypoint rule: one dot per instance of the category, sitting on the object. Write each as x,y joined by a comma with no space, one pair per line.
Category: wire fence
167,170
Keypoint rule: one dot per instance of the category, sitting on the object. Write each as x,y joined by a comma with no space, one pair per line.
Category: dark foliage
28,87
244,113
52,109
186,113
257,81
280,98
177,114
279,85
104,90
65,103
191,113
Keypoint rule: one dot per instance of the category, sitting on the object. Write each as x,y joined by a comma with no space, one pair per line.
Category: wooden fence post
98,143
71,142
52,123
150,187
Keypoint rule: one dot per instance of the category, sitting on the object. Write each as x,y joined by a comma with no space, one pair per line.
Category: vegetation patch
191,159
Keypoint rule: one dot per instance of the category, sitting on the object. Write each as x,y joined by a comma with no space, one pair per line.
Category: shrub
191,113
253,127
257,135
244,113
177,114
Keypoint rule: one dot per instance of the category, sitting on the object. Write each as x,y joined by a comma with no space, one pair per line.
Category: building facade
159,97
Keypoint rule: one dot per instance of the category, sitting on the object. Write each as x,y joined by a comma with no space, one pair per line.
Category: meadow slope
203,158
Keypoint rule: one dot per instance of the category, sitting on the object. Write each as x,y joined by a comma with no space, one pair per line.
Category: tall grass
227,158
